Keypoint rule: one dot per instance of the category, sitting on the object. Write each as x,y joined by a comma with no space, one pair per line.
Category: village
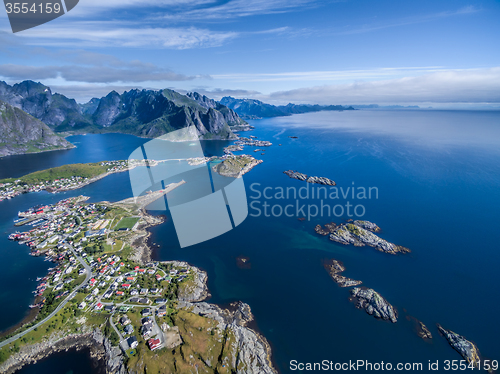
53,180
89,244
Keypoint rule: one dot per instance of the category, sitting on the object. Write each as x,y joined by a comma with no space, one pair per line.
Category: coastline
250,347
102,353
41,151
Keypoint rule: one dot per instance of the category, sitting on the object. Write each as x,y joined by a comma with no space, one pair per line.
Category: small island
467,349
374,304
235,166
334,268
359,234
303,177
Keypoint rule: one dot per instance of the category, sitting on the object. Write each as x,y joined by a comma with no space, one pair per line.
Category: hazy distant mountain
22,133
376,106
250,108
55,110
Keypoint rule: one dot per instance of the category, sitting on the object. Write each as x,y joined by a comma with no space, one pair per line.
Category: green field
127,222
66,171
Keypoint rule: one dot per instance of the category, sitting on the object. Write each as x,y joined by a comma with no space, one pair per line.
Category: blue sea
437,177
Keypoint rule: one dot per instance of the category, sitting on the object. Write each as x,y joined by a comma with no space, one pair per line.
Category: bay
437,174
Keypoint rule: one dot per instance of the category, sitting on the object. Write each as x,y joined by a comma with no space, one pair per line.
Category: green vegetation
66,171
127,222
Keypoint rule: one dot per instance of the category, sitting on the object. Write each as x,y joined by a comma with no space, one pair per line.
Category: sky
440,53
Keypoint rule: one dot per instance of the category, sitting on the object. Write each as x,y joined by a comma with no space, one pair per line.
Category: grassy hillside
66,171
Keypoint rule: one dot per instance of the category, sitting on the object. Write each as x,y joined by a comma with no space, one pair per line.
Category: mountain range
252,109
31,114
146,113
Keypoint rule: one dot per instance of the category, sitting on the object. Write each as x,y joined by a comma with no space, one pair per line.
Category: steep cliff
22,133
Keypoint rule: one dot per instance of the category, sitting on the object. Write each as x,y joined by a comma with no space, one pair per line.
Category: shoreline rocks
251,353
309,179
352,233
374,304
329,228
199,291
334,268
467,349
101,351
236,166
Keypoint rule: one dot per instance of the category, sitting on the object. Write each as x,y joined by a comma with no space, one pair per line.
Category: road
60,306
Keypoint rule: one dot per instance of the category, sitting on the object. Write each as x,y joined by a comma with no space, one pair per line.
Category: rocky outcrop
350,233
21,133
321,180
236,166
374,304
295,175
198,290
367,225
423,331
250,352
334,268
328,229
101,351
467,349
303,177
232,148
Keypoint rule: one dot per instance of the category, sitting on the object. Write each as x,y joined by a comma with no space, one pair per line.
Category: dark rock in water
243,262
374,304
334,268
466,349
351,233
303,177
295,175
423,331
420,328
321,180
293,137
321,231
331,226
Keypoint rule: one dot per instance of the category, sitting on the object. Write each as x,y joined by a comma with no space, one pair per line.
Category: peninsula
135,315
66,177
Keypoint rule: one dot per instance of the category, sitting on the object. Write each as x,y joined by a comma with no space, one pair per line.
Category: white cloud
450,86
123,34
241,8
333,75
